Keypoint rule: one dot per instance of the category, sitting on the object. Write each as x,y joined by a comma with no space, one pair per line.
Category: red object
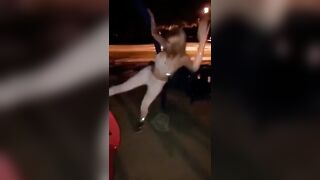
114,142
8,169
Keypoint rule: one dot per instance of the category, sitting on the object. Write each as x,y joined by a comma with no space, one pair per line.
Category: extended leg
152,92
137,80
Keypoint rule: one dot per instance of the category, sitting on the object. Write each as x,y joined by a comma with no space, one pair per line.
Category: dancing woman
166,63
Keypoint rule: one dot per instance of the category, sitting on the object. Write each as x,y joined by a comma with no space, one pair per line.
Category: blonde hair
177,48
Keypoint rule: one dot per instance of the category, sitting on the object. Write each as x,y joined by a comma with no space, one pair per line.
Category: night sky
128,21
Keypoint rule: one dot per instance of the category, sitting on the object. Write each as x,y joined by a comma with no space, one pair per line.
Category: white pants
143,77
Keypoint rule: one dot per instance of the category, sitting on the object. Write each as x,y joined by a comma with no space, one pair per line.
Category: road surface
181,152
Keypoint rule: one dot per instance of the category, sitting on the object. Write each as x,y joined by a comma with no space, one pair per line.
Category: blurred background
53,78
266,89
265,92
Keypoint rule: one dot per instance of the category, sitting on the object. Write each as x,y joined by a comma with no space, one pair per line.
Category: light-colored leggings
143,77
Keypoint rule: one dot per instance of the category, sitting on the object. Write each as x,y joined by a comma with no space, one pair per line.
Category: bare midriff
158,75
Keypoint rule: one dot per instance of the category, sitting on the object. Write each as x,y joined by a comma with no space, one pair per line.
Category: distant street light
206,10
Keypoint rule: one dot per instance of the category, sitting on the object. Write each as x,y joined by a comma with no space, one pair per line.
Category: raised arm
154,32
203,31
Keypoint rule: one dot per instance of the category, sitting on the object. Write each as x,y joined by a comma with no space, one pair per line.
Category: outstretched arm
154,32
203,31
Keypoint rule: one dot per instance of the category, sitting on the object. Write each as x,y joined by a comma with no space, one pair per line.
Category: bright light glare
206,10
